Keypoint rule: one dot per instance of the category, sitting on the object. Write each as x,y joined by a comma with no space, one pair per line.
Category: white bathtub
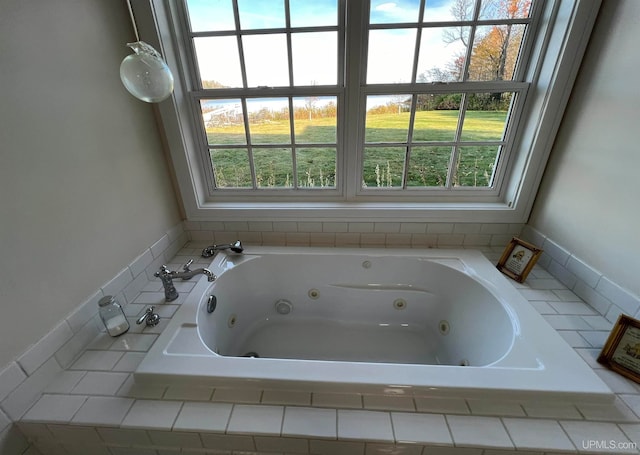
423,322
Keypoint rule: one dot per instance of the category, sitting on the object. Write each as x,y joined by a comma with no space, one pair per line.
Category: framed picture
518,259
621,352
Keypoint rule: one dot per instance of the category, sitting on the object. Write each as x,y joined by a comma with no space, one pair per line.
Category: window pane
391,55
305,13
449,10
223,121
428,166
269,121
274,167
231,168
316,167
475,166
387,118
207,15
261,14
218,61
436,117
383,167
315,58
386,12
495,52
266,60
315,119
486,116
513,9
442,54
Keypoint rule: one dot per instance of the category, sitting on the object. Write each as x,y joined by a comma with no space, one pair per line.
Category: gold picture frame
621,352
518,259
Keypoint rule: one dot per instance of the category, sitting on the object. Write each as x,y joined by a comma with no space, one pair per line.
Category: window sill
358,211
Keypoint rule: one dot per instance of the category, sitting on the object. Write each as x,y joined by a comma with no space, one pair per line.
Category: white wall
84,186
589,198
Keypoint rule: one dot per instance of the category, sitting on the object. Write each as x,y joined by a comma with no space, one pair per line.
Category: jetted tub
435,322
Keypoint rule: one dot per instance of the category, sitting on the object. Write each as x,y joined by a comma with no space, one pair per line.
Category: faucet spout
191,273
167,277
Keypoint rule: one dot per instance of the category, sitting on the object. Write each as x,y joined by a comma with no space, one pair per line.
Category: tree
310,104
212,84
497,50
439,75
461,10
310,101
494,52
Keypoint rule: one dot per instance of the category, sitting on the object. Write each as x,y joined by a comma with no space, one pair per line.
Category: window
270,79
444,81
407,106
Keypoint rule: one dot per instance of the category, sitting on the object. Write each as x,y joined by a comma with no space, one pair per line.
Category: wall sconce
145,74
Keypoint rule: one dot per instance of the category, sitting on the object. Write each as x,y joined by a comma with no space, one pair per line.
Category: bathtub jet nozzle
235,247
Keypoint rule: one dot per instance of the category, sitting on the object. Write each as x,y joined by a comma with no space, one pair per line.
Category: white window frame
565,30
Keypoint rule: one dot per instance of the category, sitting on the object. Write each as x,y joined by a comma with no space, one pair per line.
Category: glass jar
112,316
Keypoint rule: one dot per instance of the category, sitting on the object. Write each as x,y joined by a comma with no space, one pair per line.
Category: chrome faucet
236,247
167,277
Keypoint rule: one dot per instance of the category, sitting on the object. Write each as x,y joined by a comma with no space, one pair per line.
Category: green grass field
383,165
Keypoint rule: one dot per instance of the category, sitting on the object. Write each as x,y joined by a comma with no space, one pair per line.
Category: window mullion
243,68
292,133
416,54
455,153
355,105
472,36
407,154
287,16
245,115
443,88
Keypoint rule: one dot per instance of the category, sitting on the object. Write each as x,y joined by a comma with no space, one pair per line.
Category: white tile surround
354,234
72,393
599,291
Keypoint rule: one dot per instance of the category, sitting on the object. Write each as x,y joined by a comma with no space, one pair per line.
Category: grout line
506,430
226,427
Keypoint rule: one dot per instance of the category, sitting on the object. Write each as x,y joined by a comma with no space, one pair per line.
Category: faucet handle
149,317
164,271
186,269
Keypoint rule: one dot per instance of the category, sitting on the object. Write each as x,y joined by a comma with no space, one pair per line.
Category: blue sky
314,55
386,11
218,14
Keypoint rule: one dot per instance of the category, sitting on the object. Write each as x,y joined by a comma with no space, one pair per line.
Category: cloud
386,7
399,11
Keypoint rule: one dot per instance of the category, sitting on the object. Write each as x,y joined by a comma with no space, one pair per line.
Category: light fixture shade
145,74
